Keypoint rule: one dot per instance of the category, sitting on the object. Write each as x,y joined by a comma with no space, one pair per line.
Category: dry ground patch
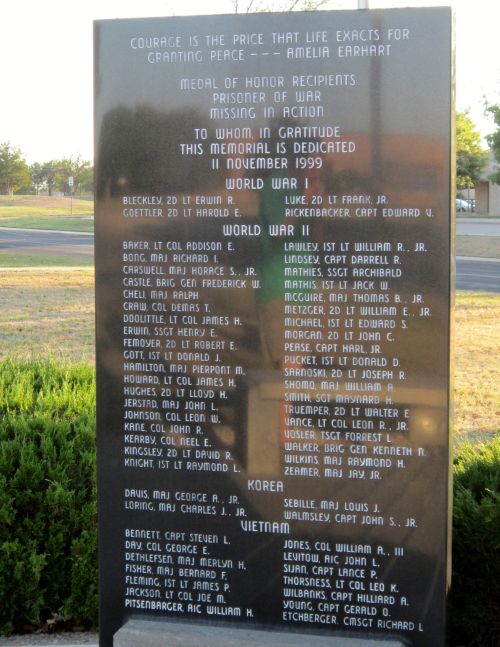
479,246
477,365
50,313
47,312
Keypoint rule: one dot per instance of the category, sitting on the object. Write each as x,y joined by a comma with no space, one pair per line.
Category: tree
86,180
471,158
249,6
494,139
14,172
37,176
49,173
79,169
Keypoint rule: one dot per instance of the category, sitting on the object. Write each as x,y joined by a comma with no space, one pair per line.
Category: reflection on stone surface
272,254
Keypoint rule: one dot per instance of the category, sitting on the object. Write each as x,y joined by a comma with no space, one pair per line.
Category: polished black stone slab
273,312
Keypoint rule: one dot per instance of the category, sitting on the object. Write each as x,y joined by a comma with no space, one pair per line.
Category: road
472,274
47,243
478,275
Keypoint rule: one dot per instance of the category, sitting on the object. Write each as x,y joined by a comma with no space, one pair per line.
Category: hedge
475,595
47,495
48,563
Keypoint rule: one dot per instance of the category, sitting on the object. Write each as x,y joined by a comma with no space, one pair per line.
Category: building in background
487,193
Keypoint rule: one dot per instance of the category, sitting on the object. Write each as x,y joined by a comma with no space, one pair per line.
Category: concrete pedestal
152,633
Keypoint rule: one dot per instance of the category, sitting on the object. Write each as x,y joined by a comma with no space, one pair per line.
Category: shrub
47,494
475,596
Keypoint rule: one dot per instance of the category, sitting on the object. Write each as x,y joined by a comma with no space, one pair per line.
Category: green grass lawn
59,223
14,259
44,212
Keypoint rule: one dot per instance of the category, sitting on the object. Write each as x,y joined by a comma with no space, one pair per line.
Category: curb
478,258
50,231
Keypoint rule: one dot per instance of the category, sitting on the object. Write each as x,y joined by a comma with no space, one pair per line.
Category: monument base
153,633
